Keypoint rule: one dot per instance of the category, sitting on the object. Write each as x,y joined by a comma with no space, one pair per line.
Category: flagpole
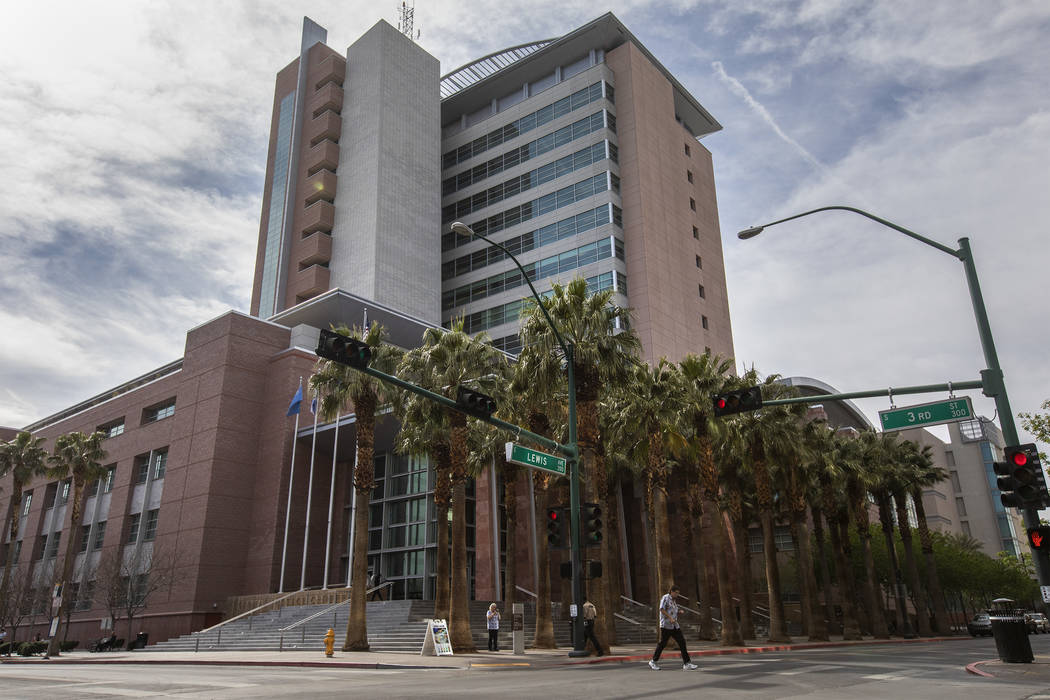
291,478
309,498
353,522
331,501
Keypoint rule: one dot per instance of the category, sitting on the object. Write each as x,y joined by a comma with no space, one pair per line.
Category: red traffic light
1020,458
552,515
720,402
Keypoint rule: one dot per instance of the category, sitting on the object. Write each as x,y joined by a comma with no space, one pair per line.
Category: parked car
981,625
1036,623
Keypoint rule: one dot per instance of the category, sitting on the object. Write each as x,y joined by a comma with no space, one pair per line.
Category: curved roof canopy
487,65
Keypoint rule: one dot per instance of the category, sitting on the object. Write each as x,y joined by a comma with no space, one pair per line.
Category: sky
133,143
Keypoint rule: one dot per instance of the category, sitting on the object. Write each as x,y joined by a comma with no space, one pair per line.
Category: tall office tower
580,155
351,190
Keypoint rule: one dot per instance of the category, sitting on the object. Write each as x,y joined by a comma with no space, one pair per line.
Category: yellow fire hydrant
329,643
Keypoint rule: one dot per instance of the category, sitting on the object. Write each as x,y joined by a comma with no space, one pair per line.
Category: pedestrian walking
377,592
492,617
589,615
669,629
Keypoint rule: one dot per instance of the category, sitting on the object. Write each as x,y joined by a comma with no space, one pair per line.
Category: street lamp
991,378
570,450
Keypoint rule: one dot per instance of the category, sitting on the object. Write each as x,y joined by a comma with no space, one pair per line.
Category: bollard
517,627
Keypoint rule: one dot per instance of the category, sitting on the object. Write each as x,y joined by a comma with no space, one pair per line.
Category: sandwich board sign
436,641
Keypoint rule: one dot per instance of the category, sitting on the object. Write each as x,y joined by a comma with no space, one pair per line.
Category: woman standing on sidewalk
669,629
492,617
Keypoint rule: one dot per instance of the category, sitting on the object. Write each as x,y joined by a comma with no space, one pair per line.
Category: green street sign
926,414
534,459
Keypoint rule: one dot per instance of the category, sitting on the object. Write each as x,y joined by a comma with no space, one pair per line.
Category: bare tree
126,581
18,604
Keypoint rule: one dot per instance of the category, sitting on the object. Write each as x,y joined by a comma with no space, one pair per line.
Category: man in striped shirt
669,629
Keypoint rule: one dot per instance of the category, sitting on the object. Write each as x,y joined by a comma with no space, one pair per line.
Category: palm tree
927,474
452,359
815,438
647,411
340,386
24,459
703,377
883,476
77,456
603,353
856,488
832,478
908,471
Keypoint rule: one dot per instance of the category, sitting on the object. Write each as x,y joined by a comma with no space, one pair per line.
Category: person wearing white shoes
669,629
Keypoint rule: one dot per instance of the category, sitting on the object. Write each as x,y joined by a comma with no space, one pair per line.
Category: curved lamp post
991,378
570,450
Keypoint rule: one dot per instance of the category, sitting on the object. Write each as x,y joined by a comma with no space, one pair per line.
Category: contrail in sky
738,89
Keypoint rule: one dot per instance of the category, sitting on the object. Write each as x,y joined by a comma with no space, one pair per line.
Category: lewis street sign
933,413
534,459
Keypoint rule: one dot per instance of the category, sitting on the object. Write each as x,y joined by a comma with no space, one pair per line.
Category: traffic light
1039,537
738,401
1021,479
592,524
592,568
565,569
556,528
475,403
343,349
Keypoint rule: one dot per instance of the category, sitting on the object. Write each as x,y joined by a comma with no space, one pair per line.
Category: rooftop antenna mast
407,16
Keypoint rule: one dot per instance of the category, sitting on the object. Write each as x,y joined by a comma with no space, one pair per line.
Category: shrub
69,645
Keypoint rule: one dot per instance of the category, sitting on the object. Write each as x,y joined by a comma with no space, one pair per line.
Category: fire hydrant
329,643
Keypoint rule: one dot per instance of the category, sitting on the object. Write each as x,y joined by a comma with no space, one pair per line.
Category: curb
768,648
972,668
212,662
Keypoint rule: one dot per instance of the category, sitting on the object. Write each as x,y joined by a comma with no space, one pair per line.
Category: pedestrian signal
1039,537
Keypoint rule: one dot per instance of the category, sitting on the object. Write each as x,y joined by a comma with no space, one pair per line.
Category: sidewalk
533,658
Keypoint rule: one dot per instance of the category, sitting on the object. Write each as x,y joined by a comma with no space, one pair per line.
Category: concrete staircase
395,625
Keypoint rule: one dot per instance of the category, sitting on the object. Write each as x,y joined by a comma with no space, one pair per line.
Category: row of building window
547,114
511,312
543,205
517,156
551,233
527,181
150,414
547,267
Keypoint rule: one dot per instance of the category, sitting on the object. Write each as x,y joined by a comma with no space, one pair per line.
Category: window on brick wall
703,322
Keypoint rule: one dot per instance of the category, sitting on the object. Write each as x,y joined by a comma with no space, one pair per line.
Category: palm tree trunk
824,583
860,513
850,624
696,547
747,623
55,643
886,521
940,610
12,529
544,637
661,529
918,590
442,496
459,607
357,622
777,625
609,602
510,505
815,623
730,629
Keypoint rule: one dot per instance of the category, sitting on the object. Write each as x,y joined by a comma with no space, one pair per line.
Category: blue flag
313,406
297,400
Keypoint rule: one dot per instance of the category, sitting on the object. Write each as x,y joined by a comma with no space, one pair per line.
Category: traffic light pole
992,382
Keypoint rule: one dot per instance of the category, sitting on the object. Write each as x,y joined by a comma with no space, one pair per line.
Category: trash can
142,638
1010,632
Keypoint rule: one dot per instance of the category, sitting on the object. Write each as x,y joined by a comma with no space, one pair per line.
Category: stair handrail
246,614
527,592
627,619
635,602
333,606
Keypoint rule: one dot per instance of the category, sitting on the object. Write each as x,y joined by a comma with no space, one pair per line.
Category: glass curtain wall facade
402,527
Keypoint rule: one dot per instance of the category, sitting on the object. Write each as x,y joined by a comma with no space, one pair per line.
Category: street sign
933,413
534,459
1045,590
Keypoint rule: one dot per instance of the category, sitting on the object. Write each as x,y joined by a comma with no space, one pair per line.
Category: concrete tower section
351,188
385,239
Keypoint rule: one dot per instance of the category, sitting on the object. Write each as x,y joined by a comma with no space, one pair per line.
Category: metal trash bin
1010,632
143,638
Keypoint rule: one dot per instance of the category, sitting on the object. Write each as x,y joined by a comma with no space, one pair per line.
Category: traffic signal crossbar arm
920,389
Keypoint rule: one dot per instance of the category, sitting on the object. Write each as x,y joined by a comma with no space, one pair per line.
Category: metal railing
334,609
197,635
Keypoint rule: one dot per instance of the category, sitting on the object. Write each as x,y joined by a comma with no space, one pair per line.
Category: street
931,670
